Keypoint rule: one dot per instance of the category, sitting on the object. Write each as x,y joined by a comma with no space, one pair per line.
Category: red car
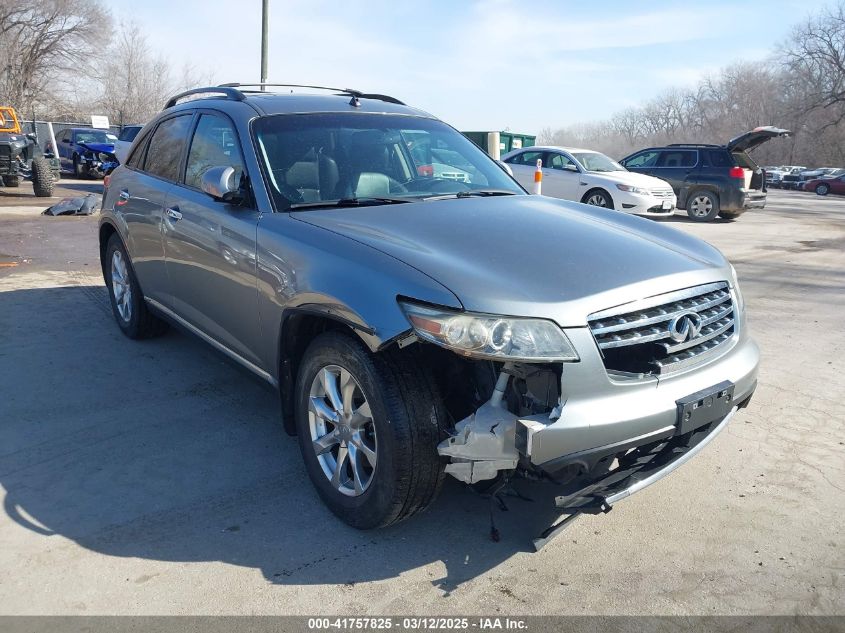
824,186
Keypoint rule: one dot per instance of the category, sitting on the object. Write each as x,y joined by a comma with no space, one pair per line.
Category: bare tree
39,39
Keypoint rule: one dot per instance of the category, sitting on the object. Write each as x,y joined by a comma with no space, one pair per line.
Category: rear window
525,158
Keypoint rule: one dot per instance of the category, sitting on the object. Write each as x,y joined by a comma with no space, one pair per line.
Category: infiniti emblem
685,326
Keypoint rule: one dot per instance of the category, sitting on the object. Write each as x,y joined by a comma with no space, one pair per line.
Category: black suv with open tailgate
710,180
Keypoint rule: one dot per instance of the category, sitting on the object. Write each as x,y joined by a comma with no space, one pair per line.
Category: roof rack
226,91
357,94
234,92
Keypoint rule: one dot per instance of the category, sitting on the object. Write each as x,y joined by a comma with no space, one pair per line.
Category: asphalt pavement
155,477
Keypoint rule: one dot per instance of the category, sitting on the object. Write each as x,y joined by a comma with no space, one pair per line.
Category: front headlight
491,337
632,189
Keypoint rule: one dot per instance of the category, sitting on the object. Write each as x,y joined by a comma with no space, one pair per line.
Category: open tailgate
755,138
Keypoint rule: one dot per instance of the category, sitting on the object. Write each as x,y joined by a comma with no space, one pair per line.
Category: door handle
173,213
123,198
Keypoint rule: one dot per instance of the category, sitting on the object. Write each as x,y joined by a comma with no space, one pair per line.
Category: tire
702,206
598,198
11,181
402,431
77,168
822,189
42,178
130,310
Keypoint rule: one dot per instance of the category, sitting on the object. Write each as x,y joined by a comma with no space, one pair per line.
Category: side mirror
506,167
570,167
219,183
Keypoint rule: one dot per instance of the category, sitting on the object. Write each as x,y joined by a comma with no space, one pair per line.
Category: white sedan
586,176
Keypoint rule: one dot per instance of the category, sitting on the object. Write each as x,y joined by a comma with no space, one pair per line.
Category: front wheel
368,427
599,198
822,189
702,206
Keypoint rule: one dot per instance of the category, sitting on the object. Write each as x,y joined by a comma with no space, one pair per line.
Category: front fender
302,267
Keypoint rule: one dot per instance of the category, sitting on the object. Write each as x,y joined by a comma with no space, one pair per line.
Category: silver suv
416,324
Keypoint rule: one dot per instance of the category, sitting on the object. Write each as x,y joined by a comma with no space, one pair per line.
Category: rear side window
719,158
643,159
525,158
678,158
214,145
164,151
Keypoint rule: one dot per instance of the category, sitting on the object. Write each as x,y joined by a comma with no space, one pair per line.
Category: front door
210,244
561,179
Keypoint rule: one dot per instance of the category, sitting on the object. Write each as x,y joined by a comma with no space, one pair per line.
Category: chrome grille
644,337
662,193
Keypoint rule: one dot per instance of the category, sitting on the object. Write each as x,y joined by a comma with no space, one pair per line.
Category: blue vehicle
86,152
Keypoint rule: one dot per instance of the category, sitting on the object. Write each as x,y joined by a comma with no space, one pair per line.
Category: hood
629,178
107,148
530,255
755,138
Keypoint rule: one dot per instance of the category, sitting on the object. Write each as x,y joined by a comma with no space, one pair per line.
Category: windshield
593,161
329,157
95,136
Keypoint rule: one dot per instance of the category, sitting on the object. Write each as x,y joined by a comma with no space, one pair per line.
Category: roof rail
356,94
692,145
227,91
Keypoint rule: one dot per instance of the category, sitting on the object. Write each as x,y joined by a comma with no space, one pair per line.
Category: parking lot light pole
265,10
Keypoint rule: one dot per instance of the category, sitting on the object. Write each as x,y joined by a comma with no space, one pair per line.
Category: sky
478,65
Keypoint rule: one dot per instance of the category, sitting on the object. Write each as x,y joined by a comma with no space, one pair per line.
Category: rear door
524,164
755,138
210,244
142,189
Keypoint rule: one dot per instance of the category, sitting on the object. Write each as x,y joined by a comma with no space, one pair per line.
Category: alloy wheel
343,433
597,200
121,286
701,206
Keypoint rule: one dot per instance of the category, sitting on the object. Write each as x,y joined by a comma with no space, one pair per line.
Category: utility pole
265,11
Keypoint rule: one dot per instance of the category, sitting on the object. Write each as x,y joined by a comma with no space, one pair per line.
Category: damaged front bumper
610,435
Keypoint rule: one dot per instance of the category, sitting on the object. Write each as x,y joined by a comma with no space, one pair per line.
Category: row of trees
801,88
64,60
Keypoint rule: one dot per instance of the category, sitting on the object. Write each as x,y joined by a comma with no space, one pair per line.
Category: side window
678,158
137,155
526,158
214,145
719,158
647,158
559,161
165,148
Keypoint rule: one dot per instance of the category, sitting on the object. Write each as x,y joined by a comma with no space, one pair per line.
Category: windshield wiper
472,193
346,202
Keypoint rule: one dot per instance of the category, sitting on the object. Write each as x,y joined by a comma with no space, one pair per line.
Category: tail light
106,181
737,172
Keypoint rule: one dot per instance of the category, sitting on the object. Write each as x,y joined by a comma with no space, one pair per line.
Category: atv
20,157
